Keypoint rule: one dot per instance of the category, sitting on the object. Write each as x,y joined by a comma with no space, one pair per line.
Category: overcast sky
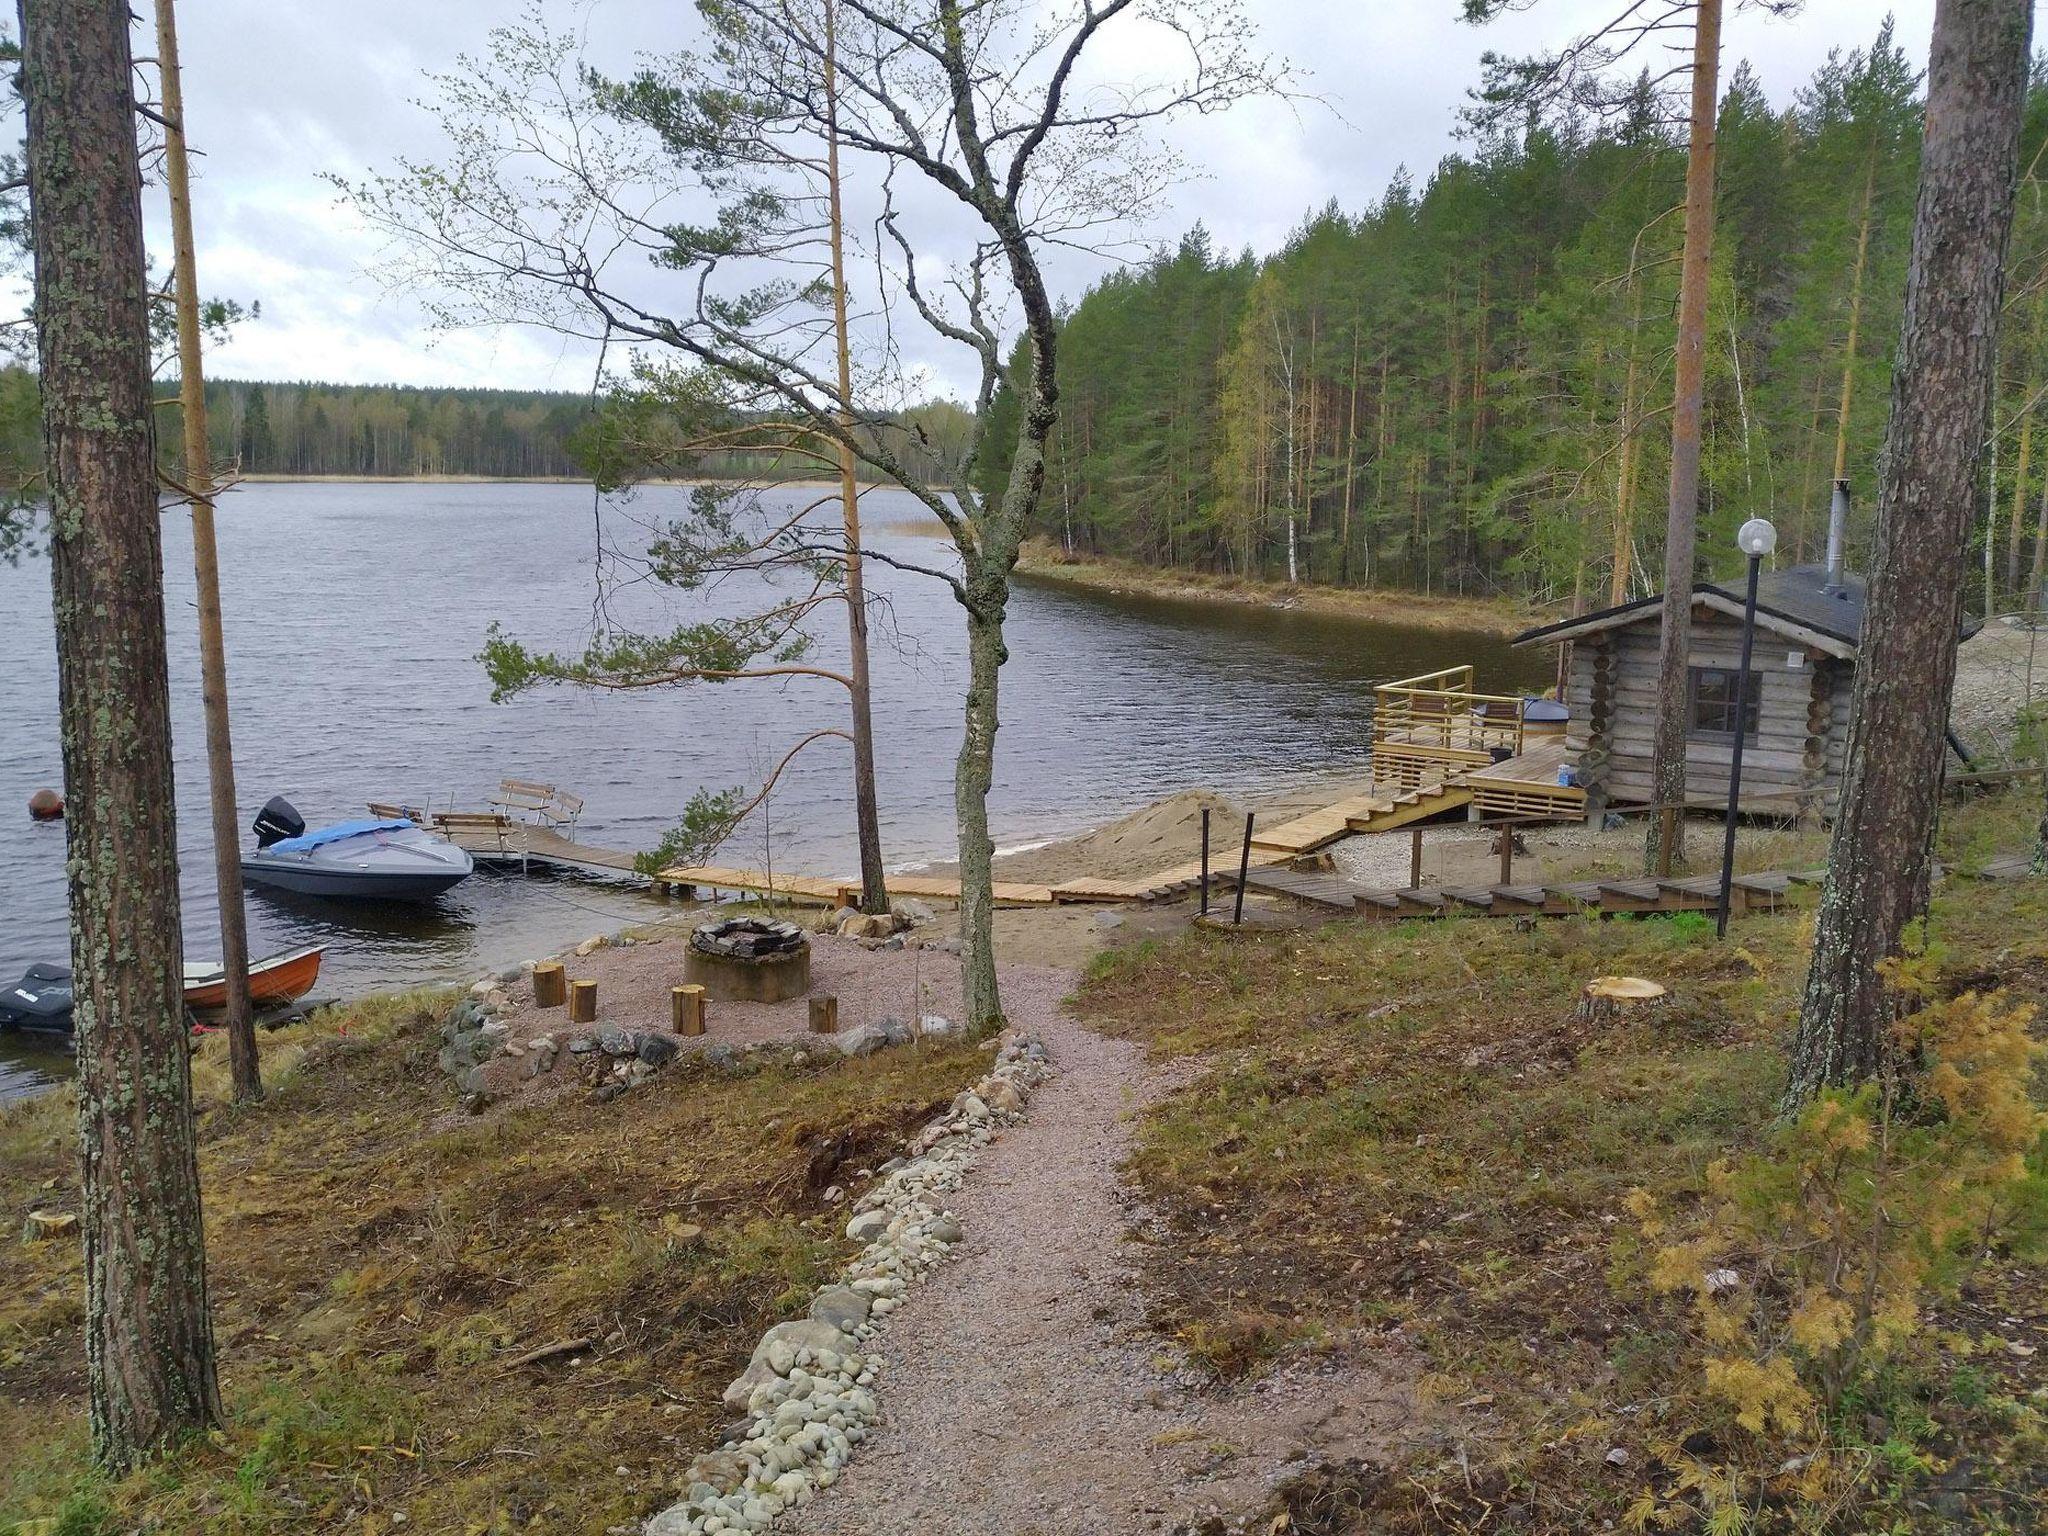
279,91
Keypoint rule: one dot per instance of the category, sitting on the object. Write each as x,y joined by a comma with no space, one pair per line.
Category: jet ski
382,858
40,1001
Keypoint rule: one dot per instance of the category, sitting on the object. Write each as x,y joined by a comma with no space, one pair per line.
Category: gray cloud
279,93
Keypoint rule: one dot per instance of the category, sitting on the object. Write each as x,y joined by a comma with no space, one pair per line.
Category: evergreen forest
1466,387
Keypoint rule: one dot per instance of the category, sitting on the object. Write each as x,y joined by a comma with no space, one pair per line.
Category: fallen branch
549,1352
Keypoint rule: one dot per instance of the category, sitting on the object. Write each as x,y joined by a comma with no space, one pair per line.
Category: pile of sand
1163,834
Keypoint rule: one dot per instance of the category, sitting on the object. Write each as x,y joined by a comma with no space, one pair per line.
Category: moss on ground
379,1264
1406,1127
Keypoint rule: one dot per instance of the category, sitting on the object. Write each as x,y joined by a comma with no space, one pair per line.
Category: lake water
355,612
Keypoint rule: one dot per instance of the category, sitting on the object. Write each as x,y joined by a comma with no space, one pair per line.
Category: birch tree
149,1339
1940,420
580,203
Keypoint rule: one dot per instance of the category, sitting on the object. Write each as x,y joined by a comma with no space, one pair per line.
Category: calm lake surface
354,615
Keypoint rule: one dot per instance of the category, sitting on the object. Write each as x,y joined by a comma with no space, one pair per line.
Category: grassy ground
379,1264
1406,1127
1044,561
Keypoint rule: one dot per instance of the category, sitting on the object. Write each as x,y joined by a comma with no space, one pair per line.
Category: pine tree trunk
1940,416
213,658
1667,760
2039,566
874,891
1625,476
1855,317
149,1340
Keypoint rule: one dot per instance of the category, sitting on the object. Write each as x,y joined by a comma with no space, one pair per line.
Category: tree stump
1609,999
582,1002
824,1014
550,984
686,1009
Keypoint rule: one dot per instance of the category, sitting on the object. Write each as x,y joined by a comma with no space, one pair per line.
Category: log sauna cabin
1796,719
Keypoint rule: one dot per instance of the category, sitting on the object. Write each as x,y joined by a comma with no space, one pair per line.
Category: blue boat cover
321,836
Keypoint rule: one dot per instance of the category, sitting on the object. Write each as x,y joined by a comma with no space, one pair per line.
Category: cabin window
1713,704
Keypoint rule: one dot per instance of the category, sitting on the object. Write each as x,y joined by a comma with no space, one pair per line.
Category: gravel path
1022,1393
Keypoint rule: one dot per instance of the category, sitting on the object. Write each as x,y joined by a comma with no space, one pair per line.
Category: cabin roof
1795,602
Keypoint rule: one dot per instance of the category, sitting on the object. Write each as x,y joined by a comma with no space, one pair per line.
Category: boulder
841,1306
867,1226
861,1040
911,910
936,1026
895,1031
722,1470
793,1338
659,1050
614,1041
591,945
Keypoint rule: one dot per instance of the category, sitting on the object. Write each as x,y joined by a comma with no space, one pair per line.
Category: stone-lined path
1021,1392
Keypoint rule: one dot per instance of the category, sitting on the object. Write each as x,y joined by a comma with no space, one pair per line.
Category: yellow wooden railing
1441,709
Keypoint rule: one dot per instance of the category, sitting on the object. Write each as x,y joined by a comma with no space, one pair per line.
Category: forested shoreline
1466,388
312,430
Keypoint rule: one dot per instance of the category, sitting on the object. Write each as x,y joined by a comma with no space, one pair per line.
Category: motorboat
384,858
279,979
39,1002
42,1000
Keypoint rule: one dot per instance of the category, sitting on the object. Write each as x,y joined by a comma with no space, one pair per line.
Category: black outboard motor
277,821
41,1000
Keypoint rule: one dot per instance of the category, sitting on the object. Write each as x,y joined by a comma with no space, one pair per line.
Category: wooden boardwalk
502,840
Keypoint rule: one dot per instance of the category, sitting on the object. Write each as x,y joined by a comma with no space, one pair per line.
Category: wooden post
213,664
582,1002
1415,858
686,1009
1244,869
550,985
824,1014
1507,854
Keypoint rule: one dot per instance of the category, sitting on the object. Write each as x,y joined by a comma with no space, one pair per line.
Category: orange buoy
46,805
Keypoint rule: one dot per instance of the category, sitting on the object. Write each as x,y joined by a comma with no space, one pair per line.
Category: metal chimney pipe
1838,527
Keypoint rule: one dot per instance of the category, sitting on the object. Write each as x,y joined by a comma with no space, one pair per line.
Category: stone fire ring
750,960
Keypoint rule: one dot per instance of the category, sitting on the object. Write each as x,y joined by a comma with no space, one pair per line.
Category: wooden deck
1526,785
506,840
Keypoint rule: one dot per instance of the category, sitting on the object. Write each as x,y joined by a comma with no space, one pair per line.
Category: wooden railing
1441,710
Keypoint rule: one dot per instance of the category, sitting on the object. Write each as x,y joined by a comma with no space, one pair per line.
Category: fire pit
750,960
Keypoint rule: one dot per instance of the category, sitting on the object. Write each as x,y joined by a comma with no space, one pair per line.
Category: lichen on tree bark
1878,859
149,1341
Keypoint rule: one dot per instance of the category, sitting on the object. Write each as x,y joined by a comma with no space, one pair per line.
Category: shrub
1810,1264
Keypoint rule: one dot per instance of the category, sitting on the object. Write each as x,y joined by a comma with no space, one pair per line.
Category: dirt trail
1022,1393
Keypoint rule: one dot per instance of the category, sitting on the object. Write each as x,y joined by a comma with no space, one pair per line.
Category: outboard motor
277,821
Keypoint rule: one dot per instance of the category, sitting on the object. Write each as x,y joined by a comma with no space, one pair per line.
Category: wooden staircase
1411,806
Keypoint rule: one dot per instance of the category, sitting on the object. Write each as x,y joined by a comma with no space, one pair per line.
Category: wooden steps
1318,829
1411,806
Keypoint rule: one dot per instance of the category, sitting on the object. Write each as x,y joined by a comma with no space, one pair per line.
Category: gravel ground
1022,1393
633,985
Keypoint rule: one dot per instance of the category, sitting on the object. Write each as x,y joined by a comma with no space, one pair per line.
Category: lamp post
1756,538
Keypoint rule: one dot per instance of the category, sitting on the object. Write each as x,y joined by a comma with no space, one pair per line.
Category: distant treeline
379,429
313,429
